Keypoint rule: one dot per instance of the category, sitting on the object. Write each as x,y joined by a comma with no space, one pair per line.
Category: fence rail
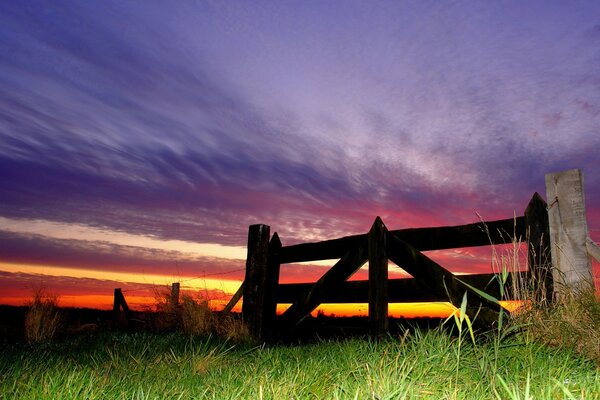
424,239
402,290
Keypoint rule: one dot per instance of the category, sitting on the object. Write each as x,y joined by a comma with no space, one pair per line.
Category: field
192,353
419,364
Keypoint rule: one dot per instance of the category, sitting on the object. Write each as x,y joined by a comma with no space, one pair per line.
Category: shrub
42,319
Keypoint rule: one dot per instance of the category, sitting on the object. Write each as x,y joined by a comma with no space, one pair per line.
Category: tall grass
193,316
196,316
571,320
42,319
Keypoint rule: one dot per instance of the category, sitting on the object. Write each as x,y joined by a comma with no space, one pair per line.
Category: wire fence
152,286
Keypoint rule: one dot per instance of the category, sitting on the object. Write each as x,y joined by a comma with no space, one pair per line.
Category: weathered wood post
257,281
118,303
538,248
174,299
568,231
378,279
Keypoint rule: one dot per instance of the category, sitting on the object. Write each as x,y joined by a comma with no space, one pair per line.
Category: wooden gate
430,281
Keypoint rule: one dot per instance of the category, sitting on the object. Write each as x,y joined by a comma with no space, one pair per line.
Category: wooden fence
262,291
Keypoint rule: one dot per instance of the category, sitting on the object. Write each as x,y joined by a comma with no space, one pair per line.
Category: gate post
569,232
378,279
254,311
539,258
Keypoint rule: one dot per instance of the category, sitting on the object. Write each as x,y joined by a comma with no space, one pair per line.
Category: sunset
138,144
140,141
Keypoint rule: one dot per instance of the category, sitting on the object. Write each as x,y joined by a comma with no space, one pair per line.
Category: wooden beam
328,283
440,281
538,248
423,239
404,290
255,289
483,233
324,250
378,279
234,300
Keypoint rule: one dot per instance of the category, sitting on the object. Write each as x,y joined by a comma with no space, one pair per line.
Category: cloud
25,285
194,123
43,251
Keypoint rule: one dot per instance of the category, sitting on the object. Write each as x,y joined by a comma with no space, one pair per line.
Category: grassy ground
420,365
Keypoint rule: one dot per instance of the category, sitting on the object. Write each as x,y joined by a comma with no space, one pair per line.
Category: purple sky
191,120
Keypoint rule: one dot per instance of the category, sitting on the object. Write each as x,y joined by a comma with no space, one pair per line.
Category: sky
140,139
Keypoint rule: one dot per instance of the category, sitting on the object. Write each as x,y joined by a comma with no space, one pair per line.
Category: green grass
419,365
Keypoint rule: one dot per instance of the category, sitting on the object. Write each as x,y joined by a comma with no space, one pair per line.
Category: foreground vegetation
192,353
418,364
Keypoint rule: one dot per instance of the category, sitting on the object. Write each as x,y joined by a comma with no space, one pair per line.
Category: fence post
256,281
378,279
539,258
119,301
116,303
568,231
174,295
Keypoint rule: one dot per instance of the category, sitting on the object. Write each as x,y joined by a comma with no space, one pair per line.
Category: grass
572,322
202,361
42,319
418,364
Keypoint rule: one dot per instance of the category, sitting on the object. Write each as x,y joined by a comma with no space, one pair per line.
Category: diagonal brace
313,296
441,282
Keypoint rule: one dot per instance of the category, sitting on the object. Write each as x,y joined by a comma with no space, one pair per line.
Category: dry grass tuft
167,313
42,319
232,328
573,322
194,316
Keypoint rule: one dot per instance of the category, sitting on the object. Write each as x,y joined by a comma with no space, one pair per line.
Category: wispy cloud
192,122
